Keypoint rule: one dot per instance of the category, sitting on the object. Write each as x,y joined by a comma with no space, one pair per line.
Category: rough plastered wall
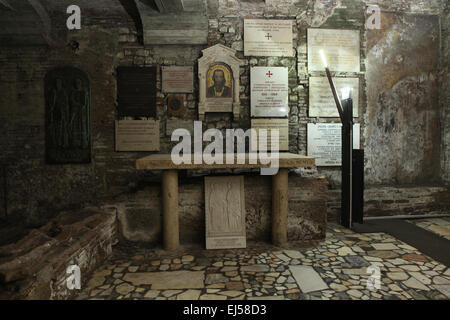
403,114
403,151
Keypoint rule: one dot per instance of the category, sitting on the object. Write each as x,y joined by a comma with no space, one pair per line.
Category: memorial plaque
269,92
282,125
173,124
67,116
268,38
341,48
324,142
136,91
218,73
137,135
225,212
178,79
175,106
321,100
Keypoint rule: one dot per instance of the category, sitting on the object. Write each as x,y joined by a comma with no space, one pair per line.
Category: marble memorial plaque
137,135
264,37
225,212
177,79
269,92
218,73
341,48
325,143
174,123
283,135
321,100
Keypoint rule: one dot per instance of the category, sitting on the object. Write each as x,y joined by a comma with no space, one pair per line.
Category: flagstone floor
440,226
337,269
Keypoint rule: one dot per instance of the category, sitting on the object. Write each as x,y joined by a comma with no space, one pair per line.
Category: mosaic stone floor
439,226
338,269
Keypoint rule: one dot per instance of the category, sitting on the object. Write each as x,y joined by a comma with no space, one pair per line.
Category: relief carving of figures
225,212
67,116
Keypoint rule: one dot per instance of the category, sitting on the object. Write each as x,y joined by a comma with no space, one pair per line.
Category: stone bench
35,266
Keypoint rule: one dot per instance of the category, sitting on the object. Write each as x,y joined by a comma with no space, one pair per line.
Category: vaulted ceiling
33,22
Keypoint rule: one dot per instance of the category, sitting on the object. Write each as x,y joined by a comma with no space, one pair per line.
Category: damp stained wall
404,95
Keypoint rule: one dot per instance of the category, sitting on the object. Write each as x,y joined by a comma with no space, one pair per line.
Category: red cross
269,74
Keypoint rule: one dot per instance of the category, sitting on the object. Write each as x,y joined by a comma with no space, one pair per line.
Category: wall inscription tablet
324,142
137,135
269,88
264,37
177,79
321,100
341,48
282,125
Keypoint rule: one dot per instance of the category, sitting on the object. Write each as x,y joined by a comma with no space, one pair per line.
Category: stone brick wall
409,152
392,201
445,93
36,266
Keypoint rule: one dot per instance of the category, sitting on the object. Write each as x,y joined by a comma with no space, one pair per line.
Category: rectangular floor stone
267,298
168,280
384,246
307,278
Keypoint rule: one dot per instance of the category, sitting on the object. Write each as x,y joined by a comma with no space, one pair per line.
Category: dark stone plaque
175,106
136,91
68,116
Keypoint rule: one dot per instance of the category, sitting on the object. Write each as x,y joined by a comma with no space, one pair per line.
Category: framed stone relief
218,73
225,212
68,116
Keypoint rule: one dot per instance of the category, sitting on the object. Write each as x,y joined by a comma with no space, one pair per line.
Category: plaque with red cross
269,92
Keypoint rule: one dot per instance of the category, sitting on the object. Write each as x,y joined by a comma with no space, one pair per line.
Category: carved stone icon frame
219,57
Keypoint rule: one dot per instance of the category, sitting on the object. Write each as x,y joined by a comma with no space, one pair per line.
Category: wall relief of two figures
68,123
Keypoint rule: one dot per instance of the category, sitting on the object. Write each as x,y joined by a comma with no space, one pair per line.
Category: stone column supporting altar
171,234
280,207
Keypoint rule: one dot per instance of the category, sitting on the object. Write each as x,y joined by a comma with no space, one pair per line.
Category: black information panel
136,91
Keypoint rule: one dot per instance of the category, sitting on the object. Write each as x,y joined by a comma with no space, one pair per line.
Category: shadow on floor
425,241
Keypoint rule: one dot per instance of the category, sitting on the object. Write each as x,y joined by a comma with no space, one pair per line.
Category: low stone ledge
35,266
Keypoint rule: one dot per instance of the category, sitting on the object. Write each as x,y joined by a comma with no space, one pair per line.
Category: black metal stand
352,195
347,180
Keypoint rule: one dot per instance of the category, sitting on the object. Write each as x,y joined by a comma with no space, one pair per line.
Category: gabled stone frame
214,55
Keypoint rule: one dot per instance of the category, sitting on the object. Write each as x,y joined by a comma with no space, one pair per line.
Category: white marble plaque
321,100
269,92
225,212
325,143
137,135
178,79
341,48
175,123
268,38
282,125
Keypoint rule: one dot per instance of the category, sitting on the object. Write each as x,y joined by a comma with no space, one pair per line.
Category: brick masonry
36,266
409,151
140,216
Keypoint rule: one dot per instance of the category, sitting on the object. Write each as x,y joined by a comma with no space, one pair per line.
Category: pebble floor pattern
337,269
